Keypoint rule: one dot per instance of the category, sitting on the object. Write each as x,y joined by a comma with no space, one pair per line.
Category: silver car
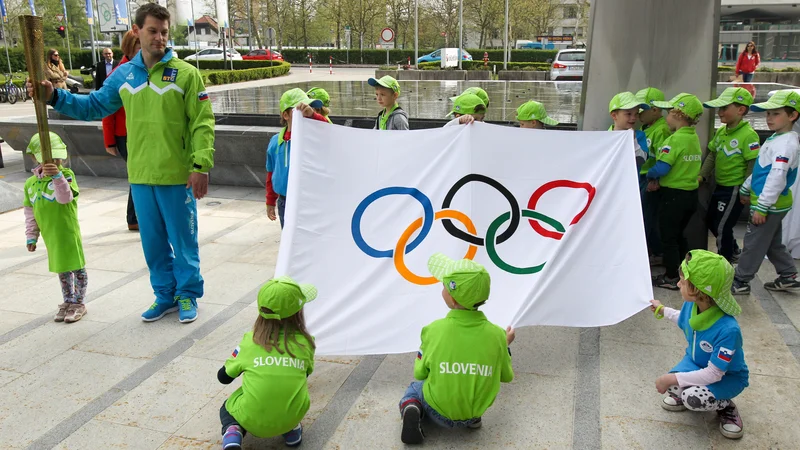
568,65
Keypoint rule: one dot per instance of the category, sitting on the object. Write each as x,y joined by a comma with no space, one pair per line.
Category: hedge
224,65
236,76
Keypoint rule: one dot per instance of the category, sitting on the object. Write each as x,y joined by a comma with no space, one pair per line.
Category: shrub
236,76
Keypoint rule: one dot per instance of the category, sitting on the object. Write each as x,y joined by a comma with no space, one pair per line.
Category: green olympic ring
491,249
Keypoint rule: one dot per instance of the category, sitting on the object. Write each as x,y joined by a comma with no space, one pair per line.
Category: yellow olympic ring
399,262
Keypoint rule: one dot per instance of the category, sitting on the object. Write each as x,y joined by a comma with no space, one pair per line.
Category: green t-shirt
682,152
656,134
57,222
463,359
734,148
273,397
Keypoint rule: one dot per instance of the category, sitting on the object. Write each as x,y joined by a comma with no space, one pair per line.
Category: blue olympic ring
394,190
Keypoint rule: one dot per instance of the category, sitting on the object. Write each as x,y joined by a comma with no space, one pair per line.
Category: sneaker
75,311
62,311
476,424
673,402
294,437
158,310
730,422
232,439
740,287
412,424
783,284
663,281
133,227
656,260
188,309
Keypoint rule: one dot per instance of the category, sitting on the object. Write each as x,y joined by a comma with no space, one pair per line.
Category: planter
523,75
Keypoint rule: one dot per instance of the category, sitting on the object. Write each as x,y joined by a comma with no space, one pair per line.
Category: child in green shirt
467,108
392,116
732,153
51,207
532,114
321,95
275,358
463,358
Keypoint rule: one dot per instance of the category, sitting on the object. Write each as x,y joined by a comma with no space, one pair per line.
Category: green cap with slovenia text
58,149
319,94
626,100
712,274
468,104
284,297
477,91
731,95
467,281
780,99
650,95
533,110
387,82
294,97
685,103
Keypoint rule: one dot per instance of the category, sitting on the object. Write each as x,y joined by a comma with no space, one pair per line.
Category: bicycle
8,91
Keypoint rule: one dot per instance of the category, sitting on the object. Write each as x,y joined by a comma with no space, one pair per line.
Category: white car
773,92
568,65
214,54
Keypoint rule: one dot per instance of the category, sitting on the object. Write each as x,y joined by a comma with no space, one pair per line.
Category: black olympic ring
475,240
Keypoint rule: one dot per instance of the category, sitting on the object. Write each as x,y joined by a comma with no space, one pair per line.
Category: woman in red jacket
748,62
115,134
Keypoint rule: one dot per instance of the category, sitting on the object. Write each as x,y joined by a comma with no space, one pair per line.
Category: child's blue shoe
232,440
188,309
294,437
158,310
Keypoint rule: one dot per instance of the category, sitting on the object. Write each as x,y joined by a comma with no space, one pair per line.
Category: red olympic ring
557,235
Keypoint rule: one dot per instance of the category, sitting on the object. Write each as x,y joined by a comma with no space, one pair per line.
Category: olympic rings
512,202
399,262
446,215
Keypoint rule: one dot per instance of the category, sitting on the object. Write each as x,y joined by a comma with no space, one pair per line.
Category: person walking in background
115,133
748,62
104,68
55,71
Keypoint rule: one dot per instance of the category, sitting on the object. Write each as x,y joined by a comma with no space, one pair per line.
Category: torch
32,38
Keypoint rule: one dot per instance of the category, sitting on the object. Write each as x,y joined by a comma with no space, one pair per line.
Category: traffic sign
387,34
59,17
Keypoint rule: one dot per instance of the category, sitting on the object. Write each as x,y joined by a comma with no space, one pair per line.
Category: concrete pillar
671,45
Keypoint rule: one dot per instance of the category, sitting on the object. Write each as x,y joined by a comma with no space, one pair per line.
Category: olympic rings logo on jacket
447,215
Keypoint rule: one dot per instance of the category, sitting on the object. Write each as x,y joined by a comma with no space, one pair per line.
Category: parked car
214,54
263,55
568,65
437,56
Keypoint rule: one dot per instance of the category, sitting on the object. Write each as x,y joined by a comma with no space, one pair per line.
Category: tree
399,13
445,13
486,15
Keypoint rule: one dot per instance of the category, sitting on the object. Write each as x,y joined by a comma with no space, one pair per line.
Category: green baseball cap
387,82
467,281
284,297
467,104
319,94
712,274
731,95
293,97
785,97
649,95
626,100
533,110
686,103
477,91
58,149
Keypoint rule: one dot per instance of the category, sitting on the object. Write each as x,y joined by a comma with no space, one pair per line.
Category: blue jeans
747,77
168,229
281,205
414,393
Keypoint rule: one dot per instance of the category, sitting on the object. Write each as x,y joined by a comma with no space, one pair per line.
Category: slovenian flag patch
725,354
755,146
235,352
203,96
781,159
666,149
419,354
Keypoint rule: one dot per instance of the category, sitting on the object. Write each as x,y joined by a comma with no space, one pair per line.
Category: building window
570,12
550,31
579,32
568,31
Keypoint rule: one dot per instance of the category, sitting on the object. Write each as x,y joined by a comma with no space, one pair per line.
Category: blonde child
392,116
321,95
51,208
532,114
274,360
462,359
713,371
624,111
280,146
467,108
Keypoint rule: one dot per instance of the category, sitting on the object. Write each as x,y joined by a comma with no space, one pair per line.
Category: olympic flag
554,216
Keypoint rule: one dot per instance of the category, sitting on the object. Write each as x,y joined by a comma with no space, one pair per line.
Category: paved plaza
113,381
